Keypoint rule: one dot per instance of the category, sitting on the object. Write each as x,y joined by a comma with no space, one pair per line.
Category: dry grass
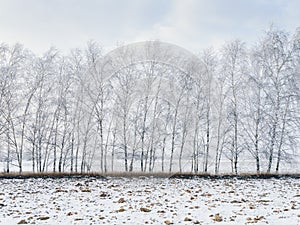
100,175
53,175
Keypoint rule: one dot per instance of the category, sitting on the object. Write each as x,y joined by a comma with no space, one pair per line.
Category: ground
149,201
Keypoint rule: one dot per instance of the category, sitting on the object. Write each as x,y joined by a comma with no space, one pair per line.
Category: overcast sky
192,24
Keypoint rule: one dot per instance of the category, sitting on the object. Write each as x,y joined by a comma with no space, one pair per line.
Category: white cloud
197,24
193,24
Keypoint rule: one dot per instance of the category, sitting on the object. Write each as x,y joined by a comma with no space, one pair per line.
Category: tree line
62,113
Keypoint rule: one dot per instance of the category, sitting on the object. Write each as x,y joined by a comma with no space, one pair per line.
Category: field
147,200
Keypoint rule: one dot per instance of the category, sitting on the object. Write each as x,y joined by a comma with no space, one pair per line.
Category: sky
191,24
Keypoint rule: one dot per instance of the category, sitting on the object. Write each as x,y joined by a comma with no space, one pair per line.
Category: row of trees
67,113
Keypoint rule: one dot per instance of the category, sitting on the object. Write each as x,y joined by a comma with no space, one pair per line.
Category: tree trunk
173,137
282,134
163,154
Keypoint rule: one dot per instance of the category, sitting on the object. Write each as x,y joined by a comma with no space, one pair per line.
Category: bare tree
222,126
234,70
276,59
209,67
13,64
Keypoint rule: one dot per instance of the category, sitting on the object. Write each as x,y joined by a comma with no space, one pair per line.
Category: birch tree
234,68
276,57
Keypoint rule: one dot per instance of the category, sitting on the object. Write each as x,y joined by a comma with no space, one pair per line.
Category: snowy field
244,166
149,201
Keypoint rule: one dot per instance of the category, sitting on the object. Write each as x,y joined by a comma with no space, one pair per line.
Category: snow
244,166
149,201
